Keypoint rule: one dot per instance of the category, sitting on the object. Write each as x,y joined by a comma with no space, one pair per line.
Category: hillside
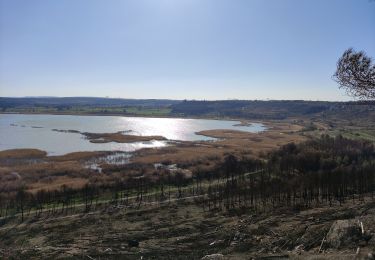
245,109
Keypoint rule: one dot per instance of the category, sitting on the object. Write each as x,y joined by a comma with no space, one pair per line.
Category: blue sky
193,49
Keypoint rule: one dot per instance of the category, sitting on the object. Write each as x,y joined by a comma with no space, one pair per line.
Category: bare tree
356,74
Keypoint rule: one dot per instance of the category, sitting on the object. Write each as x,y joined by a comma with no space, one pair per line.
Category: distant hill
246,109
82,101
273,109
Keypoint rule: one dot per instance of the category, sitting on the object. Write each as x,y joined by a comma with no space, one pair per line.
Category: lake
36,131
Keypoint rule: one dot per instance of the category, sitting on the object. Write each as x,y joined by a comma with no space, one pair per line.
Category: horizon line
187,99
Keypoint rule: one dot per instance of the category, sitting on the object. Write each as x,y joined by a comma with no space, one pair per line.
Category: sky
180,49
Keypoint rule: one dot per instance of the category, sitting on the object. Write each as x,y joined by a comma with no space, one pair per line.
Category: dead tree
356,74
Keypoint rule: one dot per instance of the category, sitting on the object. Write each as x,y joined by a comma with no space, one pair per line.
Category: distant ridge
245,109
82,101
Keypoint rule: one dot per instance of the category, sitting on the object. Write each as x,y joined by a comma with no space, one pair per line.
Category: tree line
328,170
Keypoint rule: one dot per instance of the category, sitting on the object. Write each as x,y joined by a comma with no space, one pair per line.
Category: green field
133,110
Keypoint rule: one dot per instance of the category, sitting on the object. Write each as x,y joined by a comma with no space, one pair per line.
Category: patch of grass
148,111
135,110
22,153
368,135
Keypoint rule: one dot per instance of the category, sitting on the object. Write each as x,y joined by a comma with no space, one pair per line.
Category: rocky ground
183,230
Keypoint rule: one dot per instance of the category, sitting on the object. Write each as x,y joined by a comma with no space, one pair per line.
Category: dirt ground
183,230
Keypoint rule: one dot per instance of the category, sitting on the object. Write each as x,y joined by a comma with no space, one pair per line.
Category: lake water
36,131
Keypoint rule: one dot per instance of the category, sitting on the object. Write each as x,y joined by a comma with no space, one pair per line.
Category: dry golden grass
46,174
231,141
120,138
56,183
22,153
76,156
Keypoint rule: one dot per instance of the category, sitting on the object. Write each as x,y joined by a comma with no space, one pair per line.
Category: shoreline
217,134
118,137
241,121
194,155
